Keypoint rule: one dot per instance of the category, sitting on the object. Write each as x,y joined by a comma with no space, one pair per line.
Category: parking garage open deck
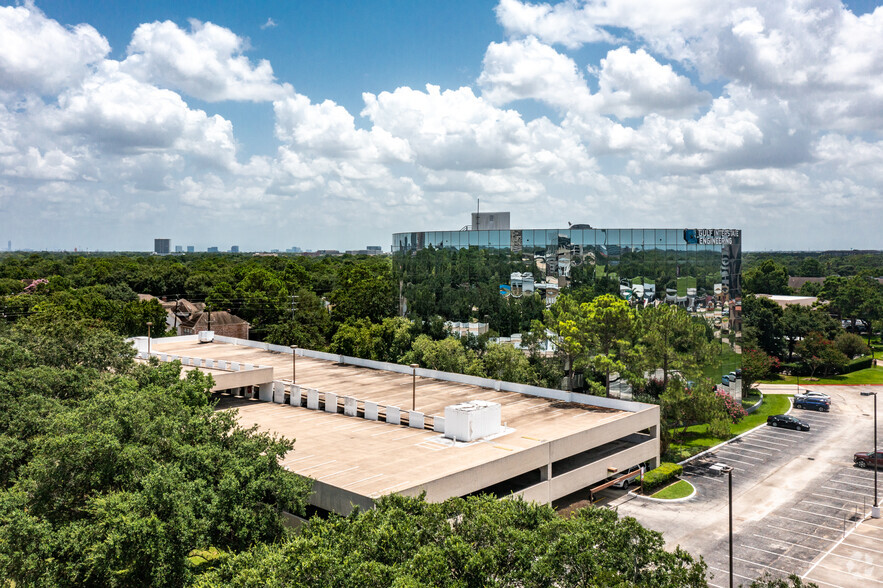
355,460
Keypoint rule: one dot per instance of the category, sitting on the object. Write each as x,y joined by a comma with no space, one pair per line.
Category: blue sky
334,124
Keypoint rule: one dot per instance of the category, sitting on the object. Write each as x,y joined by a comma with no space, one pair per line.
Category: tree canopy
477,541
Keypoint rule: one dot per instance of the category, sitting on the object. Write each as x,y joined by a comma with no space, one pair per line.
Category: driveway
795,495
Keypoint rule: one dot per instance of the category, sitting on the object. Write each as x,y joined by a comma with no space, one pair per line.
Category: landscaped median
680,489
663,483
697,439
869,376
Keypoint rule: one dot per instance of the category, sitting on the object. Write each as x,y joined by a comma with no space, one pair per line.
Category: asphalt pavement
796,496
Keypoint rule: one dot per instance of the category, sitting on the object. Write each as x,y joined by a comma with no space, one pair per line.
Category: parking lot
796,494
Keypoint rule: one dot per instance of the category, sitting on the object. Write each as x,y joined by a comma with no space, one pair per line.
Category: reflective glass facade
675,265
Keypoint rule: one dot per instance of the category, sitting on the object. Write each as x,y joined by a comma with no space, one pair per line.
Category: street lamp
727,469
875,509
149,324
294,364
414,367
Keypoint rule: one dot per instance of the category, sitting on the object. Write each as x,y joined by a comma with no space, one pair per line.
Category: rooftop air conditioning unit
472,420
206,336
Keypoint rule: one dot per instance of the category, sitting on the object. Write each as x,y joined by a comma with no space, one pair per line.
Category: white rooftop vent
472,420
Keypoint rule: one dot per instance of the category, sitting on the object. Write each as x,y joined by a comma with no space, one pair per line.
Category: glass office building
686,266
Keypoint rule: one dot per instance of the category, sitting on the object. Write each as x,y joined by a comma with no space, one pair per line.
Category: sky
326,124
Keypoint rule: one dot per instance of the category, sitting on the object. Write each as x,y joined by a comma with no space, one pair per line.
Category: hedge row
799,369
662,475
860,363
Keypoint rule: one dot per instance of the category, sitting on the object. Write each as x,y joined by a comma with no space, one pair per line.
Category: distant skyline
332,125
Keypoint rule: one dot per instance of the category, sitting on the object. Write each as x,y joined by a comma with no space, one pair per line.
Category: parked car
787,422
813,403
866,459
812,393
634,473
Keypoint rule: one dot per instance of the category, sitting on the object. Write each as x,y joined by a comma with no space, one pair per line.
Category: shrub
664,474
851,345
733,408
860,363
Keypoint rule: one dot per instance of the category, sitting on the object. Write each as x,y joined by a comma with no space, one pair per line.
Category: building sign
711,236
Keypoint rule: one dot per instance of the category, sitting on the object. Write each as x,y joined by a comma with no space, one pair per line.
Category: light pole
414,367
729,471
294,364
149,324
875,509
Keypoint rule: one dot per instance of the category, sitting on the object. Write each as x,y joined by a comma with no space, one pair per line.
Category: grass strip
680,489
871,376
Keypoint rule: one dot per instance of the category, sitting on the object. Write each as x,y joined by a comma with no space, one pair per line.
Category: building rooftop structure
783,300
358,438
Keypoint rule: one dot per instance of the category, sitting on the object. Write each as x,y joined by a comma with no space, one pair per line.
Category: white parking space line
760,459
822,537
867,563
754,563
838,498
727,573
763,445
809,523
824,505
740,448
847,491
730,459
851,484
776,554
790,542
815,514
864,579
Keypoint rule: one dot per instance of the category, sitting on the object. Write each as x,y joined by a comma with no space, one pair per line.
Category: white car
812,393
634,474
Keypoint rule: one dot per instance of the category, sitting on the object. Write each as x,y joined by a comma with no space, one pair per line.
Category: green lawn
869,376
680,489
697,439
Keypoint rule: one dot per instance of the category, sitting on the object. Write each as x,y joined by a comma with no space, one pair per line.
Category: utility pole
150,324
875,509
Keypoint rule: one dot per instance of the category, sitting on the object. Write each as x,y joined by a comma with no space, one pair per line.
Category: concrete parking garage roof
373,458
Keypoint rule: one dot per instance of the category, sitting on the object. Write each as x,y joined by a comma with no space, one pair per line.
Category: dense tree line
819,264
478,541
115,474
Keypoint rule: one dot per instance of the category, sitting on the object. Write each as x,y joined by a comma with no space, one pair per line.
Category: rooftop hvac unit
472,420
206,336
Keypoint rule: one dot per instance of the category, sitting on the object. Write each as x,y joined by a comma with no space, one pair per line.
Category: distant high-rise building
293,250
9,246
178,249
190,249
212,249
162,246
234,249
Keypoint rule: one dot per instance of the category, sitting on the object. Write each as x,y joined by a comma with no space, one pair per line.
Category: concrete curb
651,499
728,441
756,404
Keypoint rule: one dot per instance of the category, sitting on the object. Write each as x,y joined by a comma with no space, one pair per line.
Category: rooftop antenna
477,213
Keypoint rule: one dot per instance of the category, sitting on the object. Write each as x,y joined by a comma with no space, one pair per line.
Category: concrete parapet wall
451,377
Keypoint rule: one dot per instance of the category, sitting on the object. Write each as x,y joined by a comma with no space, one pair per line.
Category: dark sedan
787,422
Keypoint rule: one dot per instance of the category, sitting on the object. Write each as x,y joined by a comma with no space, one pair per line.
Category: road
795,496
